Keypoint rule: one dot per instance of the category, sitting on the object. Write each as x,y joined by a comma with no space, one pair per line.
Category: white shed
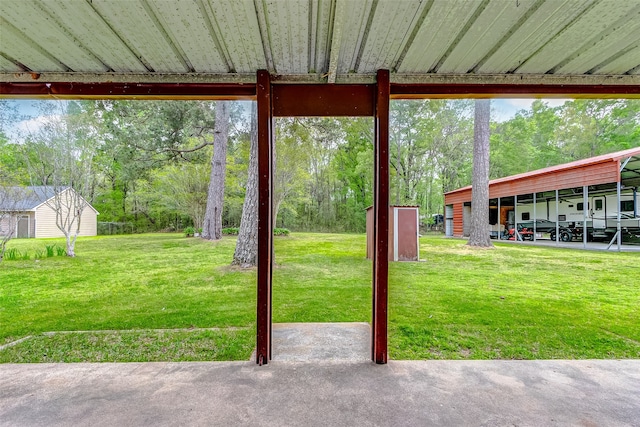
34,216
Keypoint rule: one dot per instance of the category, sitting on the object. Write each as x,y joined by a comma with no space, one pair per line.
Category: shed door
23,227
406,234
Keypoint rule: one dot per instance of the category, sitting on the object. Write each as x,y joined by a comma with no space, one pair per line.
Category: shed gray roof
27,198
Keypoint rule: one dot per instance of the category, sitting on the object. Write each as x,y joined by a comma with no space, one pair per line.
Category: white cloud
31,126
521,103
506,108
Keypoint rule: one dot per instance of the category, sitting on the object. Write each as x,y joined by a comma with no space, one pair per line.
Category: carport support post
585,212
381,219
534,217
619,228
265,224
516,235
557,219
499,219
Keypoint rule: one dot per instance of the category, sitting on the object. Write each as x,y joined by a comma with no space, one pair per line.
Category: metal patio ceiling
556,41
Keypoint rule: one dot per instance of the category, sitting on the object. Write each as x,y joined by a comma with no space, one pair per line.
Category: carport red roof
596,170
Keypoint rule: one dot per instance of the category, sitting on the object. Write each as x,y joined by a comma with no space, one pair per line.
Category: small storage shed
403,233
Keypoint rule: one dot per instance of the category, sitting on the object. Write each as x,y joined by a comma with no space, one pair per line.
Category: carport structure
606,174
319,58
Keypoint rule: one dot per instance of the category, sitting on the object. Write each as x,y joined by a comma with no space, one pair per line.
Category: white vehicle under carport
598,228
603,228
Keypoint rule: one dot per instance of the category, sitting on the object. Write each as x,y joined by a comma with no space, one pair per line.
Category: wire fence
111,228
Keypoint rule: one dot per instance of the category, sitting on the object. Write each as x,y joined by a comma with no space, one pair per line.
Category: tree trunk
246,254
479,235
70,240
212,224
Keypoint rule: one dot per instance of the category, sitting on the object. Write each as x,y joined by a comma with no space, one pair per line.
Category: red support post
381,219
265,223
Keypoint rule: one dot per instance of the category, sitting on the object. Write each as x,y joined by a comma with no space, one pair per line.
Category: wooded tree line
150,161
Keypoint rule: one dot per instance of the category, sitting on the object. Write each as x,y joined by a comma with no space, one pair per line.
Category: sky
503,109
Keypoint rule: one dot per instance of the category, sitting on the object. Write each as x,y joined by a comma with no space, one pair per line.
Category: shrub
60,251
12,254
280,231
189,232
50,250
39,254
232,231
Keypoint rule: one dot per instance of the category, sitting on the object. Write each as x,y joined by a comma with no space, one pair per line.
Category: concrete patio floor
402,393
321,375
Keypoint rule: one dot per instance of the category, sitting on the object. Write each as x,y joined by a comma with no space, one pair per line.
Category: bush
233,231
50,250
12,254
280,231
189,232
60,251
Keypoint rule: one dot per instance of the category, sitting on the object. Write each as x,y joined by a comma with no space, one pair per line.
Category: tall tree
479,236
212,226
182,189
290,172
453,149
246,253
410,144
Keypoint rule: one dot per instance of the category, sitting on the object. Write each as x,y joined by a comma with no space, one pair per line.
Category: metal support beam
265,223
624,164
557,219
336,40
129,90
381,220
499,217
323,100
403,85
585,214
516,235
535,217
613,239
619,216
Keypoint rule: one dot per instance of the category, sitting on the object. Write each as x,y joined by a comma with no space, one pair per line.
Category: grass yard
167,297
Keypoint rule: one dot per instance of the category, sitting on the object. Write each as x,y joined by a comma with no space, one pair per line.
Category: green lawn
512,302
